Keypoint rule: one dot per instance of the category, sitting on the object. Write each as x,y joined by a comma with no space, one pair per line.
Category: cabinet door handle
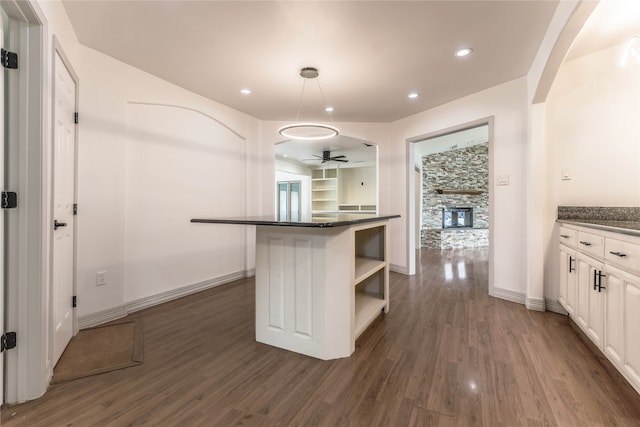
564,236
600,276
571,267
621,255
57,224
595,278
585,243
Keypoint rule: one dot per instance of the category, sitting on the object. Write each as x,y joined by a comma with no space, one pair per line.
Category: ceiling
370,54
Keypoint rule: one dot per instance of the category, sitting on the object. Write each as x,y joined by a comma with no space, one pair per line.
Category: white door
64,152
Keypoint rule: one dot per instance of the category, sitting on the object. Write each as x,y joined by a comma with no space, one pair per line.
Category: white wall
593,127
357,185
506,103
143,172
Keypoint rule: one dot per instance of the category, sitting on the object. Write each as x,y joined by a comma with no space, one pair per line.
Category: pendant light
308,131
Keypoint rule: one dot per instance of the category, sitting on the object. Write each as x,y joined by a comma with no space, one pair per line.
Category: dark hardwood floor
446,355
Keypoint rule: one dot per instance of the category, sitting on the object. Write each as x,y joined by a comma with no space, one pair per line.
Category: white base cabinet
602,292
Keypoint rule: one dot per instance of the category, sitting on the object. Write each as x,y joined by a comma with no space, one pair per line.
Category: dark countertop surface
320,221
623,227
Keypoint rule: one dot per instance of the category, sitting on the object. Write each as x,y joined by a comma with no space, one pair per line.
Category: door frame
27,252
411,202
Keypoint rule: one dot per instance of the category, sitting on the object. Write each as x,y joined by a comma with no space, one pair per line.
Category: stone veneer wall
463,169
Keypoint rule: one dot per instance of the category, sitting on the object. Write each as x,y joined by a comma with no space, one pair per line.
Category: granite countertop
625,227
624,220
320,221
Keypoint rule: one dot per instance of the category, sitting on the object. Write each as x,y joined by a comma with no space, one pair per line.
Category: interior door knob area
57,224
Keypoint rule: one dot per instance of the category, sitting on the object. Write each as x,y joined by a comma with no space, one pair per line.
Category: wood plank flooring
446,355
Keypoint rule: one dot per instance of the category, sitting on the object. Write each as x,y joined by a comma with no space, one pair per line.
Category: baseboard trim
536,304
398,269
119,312
505,294
555,306
153,300
101,317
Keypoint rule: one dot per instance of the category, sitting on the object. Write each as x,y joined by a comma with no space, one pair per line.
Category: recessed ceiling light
463,52
245,91
413,95
329,109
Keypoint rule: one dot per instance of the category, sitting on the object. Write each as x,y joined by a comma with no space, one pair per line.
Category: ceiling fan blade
341,160
341,156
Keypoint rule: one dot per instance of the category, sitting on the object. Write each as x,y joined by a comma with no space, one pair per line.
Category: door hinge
9,59
8,341
74,301
8,200
75,118
75,209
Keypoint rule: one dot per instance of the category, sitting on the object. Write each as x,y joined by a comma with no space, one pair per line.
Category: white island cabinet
606,300
320,283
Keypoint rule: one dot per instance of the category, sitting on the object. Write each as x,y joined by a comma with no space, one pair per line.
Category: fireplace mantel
468,192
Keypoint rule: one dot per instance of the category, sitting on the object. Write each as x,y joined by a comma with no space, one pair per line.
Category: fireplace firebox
457,217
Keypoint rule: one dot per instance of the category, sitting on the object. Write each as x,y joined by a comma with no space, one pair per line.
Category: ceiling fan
327,157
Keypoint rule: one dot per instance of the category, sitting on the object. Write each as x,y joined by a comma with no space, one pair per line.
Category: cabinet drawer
625,254
568,237
591,244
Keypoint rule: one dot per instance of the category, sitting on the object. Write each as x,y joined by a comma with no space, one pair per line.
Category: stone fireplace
455,198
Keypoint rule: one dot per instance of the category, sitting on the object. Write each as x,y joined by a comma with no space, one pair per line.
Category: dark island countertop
338,220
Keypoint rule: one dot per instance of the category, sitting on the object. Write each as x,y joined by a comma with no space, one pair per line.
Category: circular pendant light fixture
308,131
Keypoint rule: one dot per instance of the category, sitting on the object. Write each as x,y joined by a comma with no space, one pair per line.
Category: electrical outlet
101,278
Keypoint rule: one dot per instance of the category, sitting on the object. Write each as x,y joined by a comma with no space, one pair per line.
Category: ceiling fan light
308,131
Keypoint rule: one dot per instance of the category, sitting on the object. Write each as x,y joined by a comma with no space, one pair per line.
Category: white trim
250,272
398,269
159,104
118,312
101,317
410,202
536,304
554,306
28,367
507,295
150,301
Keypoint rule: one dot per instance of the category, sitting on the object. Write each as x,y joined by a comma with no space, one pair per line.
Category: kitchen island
320,282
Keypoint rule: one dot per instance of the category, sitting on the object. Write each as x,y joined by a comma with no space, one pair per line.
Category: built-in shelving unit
354,208
371,276
324,191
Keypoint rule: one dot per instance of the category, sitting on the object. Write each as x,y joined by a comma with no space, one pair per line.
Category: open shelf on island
365,267
368,307
371,276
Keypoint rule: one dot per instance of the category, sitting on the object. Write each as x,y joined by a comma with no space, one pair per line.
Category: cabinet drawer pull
585,243
571,267
621,255
564,236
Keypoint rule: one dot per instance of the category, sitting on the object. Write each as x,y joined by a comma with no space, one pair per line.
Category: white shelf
368,307
365,267
356,212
